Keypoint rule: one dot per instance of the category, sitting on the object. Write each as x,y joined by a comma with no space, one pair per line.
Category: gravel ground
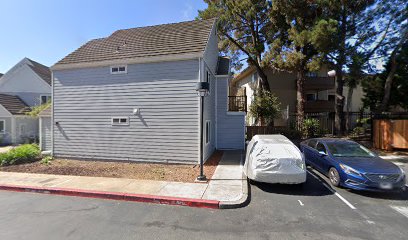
132,170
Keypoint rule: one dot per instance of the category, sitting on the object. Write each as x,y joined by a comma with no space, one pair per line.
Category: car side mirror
323,154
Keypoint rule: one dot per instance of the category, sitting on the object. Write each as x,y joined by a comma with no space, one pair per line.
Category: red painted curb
189,202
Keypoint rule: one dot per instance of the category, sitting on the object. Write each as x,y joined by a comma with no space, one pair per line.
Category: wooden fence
389,134
256,130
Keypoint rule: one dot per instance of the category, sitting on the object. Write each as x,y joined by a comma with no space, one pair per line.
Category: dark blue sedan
348,164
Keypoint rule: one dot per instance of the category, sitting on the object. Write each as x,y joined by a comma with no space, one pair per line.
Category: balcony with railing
319,106
237,103
319,83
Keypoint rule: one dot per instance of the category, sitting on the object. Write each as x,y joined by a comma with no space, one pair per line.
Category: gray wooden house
131,96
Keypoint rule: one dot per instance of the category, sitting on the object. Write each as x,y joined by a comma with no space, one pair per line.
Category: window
207,132
208,79
119,69
255,77
2,126
312,143
320,148
120,121
311,97
45,99
311,74
331,97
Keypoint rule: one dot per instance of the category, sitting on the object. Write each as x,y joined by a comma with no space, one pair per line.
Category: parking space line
333,191
402,210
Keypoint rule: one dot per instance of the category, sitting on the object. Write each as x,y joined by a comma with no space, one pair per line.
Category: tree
265,107
349,27
242,28
374,85
292,49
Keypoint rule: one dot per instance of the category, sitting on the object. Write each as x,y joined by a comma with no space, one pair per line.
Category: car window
320,148
312,143
348,149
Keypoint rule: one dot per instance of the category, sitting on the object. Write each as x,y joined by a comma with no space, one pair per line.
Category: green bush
310,128
22,154
46,160
265,107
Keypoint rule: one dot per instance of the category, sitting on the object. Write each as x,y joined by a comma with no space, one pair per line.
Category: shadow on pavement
312,187
396,196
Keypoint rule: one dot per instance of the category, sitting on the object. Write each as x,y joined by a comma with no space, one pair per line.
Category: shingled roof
13,104
43,71
159,40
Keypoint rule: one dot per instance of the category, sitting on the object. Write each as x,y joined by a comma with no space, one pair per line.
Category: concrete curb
243,201
189,202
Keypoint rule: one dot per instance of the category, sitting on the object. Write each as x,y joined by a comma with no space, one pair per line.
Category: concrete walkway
227,184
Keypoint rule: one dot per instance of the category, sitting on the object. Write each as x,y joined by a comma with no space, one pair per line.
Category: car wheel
334,177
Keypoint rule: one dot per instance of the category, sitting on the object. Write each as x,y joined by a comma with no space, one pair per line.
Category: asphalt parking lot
314,211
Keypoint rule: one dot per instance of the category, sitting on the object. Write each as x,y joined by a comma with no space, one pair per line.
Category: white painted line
345,201
402,210
335,193
301,204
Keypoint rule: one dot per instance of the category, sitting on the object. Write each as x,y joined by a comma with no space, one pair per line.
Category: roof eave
150,59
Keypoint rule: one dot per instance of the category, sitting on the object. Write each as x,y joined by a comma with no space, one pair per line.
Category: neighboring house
25,85
131,96
319,91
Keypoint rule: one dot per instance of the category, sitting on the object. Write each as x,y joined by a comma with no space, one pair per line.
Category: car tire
334,177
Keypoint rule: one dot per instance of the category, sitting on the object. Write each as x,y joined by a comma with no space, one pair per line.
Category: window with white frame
208,79
2,126
120,121
122,69
207,132
44,99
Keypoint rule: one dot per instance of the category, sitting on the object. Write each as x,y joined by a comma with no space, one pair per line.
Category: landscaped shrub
22,154
292,134
265,107
310,128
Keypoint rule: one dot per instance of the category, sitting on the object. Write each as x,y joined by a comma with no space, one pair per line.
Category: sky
47,30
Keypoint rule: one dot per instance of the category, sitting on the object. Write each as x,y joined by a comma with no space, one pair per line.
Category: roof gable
43,73
160,40
13,104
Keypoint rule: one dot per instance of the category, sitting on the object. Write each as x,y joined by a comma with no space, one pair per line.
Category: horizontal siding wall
166,130
26,128
6,137
46,144
230,128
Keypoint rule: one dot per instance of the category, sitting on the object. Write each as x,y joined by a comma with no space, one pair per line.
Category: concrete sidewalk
227,188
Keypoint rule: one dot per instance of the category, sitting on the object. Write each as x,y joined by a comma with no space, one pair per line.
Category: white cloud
187,12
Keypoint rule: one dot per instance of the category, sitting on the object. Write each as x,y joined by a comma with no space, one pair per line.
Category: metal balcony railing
237,103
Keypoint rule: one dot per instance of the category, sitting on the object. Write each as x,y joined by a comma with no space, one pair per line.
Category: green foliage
37,109
358,131
243,30
265,106
310,128
291,133
22,154
373,86
46,160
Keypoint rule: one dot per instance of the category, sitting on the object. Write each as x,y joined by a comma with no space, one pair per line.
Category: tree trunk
339,104
388,81
300,97
339,100
348,108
